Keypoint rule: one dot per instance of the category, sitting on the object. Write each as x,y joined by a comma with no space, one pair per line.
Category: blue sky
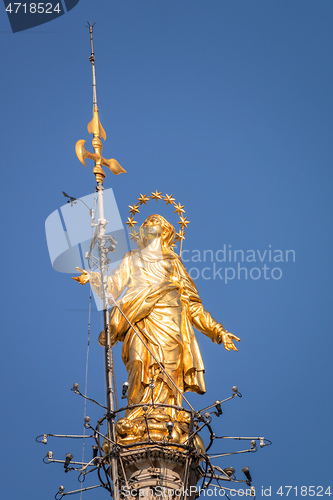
226,104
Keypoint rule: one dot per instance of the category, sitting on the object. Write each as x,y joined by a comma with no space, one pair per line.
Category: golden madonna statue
160,299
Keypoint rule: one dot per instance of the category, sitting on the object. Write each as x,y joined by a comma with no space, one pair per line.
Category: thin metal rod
86,381
108,351
251,450
123,470
85,464
115,385
195,432
237,437
84,489
105,437
186,476
217,402
92,60
72,436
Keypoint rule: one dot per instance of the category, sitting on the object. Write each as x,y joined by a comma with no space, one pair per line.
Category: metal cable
86,383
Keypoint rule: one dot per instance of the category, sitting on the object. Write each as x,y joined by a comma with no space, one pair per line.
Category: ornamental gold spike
95,128
143,199
156,196
168,199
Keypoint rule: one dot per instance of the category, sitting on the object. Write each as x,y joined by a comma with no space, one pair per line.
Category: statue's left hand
227,338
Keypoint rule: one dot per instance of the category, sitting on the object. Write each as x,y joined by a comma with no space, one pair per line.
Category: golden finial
95,128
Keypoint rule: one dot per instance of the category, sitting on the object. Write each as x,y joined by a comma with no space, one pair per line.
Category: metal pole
95,128
102,222
92,60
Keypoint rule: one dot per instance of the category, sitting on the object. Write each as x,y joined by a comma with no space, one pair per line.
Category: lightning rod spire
95,128
92,60
100,237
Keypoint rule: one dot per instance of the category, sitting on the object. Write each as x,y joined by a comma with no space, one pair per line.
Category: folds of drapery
158,297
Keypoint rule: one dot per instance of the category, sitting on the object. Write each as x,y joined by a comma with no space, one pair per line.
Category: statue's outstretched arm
93,278
200,318
205,323
117,281
84,276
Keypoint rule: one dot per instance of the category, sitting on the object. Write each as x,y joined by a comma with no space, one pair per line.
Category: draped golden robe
159,298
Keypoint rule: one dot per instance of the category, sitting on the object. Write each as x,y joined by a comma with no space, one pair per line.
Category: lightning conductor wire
86,385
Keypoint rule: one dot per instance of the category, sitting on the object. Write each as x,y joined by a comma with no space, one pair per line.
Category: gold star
134,235
134,209
143,199
168,199
180,235
183,221
179,209
156,196
131,221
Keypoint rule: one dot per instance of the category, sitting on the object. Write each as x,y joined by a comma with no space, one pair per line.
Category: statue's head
156,227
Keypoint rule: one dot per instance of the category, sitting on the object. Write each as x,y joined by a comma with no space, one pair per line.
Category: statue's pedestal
158,472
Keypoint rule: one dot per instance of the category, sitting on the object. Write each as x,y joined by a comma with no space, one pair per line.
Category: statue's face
151,229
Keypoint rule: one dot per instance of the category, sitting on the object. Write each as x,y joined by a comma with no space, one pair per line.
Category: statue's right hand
83,278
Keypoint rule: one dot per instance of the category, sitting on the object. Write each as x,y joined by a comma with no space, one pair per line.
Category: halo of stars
169,200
